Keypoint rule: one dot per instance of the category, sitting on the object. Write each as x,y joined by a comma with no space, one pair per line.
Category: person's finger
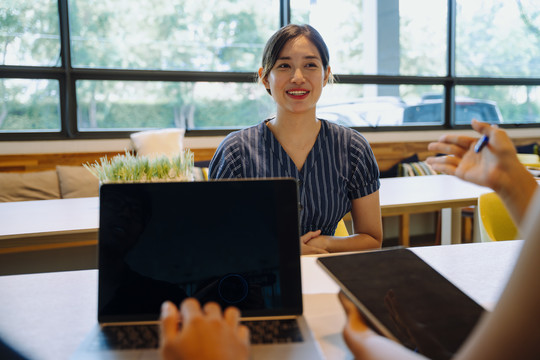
444,169
212,310
243,334
458,140
458,148
481,127
190,308
448,159
232,316
355,320
169,321
308,250
310,235
444,164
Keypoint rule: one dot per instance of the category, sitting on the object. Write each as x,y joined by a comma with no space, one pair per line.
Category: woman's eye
282,66
311,65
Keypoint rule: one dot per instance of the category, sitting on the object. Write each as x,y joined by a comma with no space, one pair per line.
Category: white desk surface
48,217
27,219
418,191
48,315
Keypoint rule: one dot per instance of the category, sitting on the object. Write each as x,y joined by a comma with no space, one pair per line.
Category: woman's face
297,78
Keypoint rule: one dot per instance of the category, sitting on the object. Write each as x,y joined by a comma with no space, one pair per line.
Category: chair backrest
341,229
495,222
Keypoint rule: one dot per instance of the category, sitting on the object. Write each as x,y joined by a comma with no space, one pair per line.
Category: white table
60,222
481,270
56,235
43,223
48,315
48,235
416,194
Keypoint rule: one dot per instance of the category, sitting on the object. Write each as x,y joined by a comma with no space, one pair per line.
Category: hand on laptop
204,334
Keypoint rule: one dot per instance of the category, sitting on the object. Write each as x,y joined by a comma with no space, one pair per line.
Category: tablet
403,298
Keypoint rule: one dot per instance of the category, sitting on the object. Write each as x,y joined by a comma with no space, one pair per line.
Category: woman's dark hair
279,39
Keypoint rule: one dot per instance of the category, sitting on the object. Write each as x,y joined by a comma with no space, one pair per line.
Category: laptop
403,298
235,242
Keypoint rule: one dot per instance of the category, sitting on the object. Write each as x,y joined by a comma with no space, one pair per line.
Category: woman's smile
298,93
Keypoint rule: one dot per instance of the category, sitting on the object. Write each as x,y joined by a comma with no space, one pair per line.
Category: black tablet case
405,299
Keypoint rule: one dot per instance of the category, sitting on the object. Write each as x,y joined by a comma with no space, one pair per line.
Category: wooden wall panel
387,155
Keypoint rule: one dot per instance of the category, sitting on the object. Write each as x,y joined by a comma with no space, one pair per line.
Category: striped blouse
340,167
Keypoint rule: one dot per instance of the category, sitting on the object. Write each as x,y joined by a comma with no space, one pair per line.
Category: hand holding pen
497,167
464,156
481,143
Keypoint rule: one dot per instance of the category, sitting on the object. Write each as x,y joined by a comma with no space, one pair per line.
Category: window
207,35
380,37
498,38
30,33
103,69
29,105
128,105
510,104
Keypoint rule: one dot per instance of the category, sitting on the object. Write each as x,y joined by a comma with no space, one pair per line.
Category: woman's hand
204,333
308,244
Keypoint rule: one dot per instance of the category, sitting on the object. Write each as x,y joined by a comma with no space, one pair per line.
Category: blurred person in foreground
512,329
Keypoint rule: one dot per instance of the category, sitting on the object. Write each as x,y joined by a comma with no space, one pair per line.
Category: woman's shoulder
340,131
242,135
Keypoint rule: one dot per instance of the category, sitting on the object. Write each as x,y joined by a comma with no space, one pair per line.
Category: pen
481,143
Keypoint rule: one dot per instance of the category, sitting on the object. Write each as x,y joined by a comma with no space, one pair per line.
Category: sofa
64,182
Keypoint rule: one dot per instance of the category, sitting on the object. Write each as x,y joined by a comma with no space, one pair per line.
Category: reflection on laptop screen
232,242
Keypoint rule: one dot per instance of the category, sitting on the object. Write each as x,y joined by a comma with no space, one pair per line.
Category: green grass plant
129,167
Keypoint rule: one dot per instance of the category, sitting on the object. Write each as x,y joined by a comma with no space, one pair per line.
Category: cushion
395,170
418,168
200,173
527,149
76,182
202,163
41,185
152,143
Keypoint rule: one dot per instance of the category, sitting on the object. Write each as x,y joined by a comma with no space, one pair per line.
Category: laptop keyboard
123,337
274,331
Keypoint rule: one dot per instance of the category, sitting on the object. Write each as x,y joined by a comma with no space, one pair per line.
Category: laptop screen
235,242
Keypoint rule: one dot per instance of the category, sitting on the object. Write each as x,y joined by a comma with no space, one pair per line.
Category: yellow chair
341,229
495,222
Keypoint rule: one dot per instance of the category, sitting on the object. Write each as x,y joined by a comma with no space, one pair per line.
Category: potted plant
136,168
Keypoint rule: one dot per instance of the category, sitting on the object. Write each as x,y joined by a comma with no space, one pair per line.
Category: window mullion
68,97
284,12
449,109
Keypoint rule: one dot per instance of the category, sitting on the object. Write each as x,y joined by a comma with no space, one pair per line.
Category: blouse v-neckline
281,154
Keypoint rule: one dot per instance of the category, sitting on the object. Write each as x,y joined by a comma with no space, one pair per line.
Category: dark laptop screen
235,242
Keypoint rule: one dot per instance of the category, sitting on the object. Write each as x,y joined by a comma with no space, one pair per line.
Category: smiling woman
334,165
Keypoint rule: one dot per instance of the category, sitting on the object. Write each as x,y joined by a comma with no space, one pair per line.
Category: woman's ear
327,74
264,80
